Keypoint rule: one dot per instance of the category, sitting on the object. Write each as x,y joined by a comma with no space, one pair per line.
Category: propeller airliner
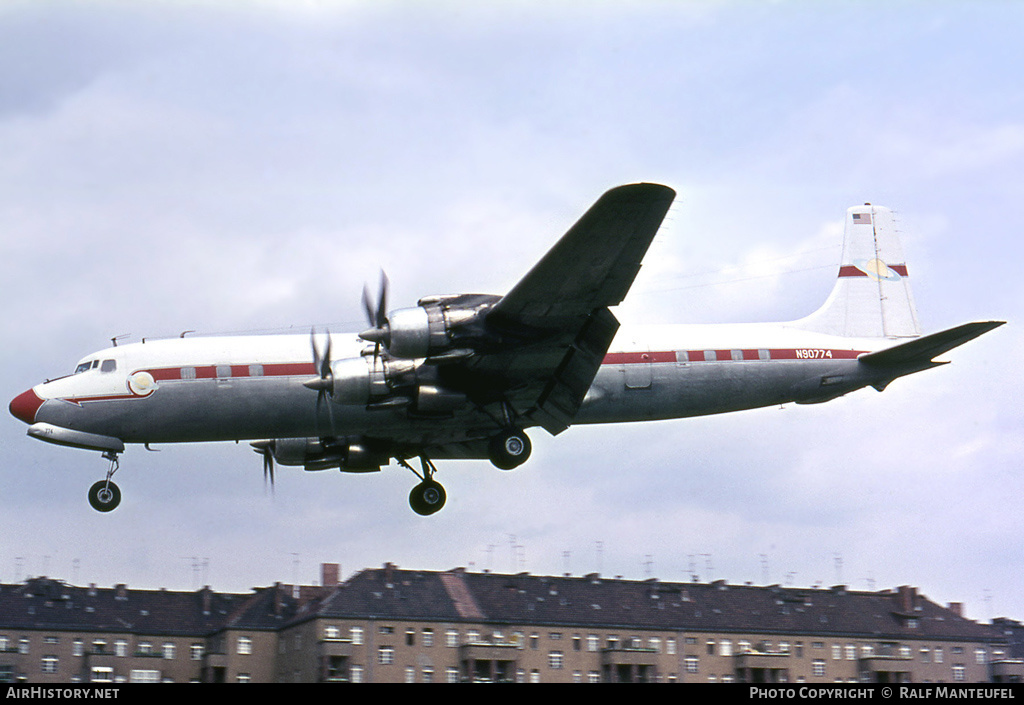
464,376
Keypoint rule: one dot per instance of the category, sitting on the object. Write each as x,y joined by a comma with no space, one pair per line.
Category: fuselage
251,387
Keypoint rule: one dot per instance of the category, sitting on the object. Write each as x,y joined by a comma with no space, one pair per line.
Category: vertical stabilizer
871,298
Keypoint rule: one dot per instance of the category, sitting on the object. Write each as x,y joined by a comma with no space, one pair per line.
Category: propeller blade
382,301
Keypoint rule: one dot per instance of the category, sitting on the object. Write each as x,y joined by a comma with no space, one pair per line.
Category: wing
556,319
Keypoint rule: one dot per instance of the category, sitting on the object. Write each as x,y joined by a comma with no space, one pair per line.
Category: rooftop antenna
648,563
838,558
599,545
764,567
566,555
118,337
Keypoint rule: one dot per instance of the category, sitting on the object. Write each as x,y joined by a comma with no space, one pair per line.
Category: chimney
389,572
121,591
329,574
907,596
956,608
206,596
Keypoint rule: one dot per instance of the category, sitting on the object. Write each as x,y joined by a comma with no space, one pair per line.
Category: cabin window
255,370
710,356
108,366
682,356
85,366
223,371
188,372
764,354
737,355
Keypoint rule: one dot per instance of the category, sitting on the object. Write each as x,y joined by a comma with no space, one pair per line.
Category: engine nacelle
383,382
438,325
315,454
417,332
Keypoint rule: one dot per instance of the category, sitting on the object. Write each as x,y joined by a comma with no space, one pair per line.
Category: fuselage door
637,367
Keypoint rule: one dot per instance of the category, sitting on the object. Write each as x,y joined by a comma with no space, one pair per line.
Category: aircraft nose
25,405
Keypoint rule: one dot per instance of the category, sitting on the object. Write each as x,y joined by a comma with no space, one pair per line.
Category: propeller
266,449
377,315
324,384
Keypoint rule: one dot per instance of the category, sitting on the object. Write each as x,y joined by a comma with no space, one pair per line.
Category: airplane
464,376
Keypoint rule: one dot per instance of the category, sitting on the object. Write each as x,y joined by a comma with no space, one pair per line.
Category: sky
235,167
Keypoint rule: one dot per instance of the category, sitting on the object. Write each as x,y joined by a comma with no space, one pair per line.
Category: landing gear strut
104,496
429,496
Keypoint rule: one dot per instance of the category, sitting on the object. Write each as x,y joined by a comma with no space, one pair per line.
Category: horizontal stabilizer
922,350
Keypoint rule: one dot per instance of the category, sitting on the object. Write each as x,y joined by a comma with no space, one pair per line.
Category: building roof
46,603
593,601
459,596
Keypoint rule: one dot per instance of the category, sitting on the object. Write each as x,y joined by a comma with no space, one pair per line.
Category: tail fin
871,298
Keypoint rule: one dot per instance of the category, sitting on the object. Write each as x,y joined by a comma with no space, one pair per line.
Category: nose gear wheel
104,496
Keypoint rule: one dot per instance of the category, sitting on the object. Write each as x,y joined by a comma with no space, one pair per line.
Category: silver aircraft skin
463,376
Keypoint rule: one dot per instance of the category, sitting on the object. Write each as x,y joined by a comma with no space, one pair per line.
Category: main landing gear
508,450
429,496
104,496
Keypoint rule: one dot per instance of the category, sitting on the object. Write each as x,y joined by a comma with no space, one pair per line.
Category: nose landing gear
104,496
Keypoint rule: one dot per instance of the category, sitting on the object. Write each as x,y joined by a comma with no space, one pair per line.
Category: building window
169,650
195,652
725,647
23,645
386,655
355,674
77,647
556,660
244,645
120,648
670,645
938,654
102,674
851,652
451,638
410,637
959,673
356,634
332,632
428,675
410,674
593,677
428,637
925,655
592,642
979,655
577,643
655,643
818,668
837,652
49,664
243,678
691,664
451,675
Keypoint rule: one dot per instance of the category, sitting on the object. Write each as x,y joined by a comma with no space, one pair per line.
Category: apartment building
393,625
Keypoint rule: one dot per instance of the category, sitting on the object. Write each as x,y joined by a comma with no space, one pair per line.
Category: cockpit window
108,366
82,367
